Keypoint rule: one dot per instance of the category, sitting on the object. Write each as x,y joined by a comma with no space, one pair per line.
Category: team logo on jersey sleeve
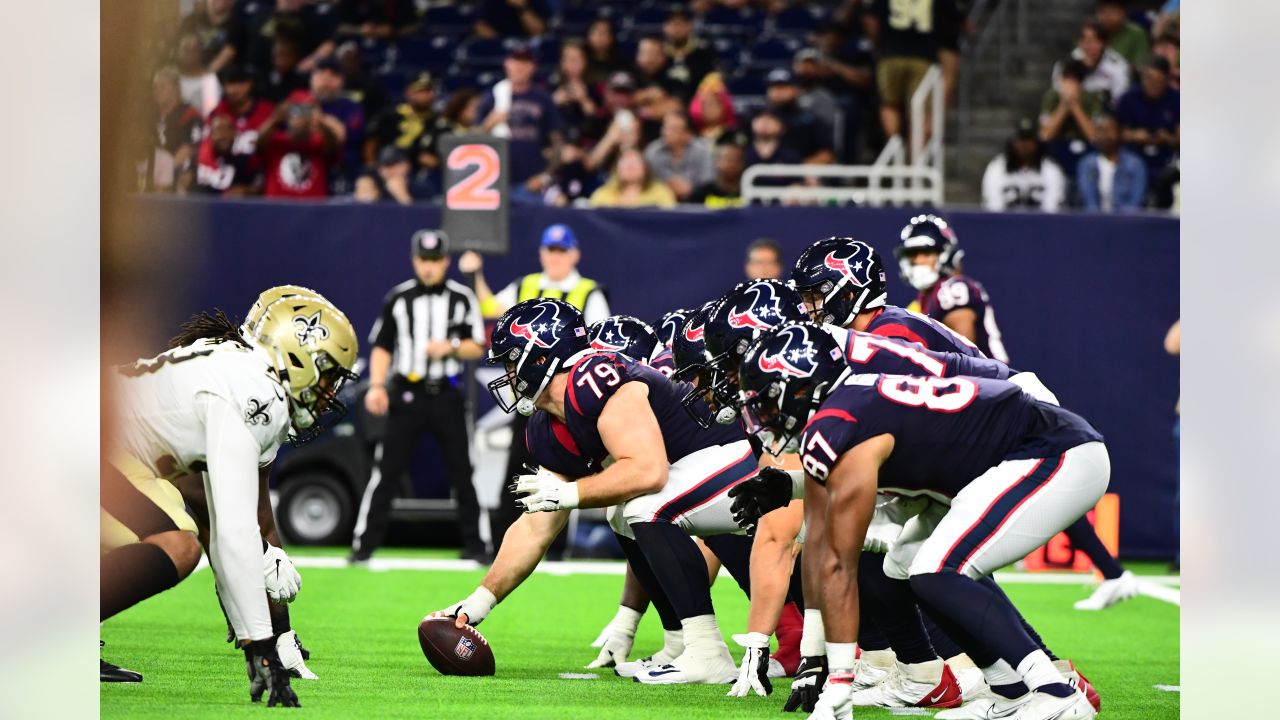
309,329
256,413
534,328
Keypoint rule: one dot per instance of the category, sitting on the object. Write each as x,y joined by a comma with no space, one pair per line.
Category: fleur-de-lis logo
256,413
309,329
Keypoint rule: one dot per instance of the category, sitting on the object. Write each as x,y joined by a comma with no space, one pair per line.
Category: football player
634,338
221,403
929,260
668,477
978,506
672,323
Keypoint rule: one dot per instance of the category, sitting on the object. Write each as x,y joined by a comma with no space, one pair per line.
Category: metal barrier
895,178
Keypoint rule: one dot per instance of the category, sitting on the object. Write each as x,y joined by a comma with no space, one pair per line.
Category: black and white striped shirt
414,314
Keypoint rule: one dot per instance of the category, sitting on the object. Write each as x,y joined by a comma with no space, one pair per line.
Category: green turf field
360,625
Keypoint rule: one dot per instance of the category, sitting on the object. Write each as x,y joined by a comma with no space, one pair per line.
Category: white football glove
836,700
545,491
616,639
475,606
282,579
754,672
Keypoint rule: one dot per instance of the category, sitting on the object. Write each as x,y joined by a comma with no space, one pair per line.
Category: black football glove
267,675
758,496
807,685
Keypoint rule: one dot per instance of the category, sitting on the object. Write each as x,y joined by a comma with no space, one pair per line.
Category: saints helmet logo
309,329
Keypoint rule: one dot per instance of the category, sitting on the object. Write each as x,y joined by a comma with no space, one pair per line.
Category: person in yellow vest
558,254
559,279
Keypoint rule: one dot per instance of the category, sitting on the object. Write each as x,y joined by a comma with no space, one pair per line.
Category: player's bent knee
181,546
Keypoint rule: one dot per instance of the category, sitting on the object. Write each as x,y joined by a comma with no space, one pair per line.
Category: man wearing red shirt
247,111
298,146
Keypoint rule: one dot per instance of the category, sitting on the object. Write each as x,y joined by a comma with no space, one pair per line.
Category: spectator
907,50
220,30
691,59
767,147
299,147
677,158
327,89
1168,47
1124,36
726,189
623,127
362,88
713,115
391,181
305,25
1111,177
1022,177
572,180
531,119
1066,117
803,134
512,18
286,75
574,97
377,19
815,97
764,260
603,58
460,110
412,126
247,112
653,67
843,70
1107,71
199,86
219,169
632,185
950,26
177,130
652,104
1149,117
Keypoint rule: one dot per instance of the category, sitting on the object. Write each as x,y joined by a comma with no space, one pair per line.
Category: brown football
454,651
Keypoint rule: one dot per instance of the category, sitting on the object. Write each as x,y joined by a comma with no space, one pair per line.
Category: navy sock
640,566
1085,539
890,606
132,573
1057,690
1016,690
795,591
980,611
1031,631
279,618
678,565
734,553
942,642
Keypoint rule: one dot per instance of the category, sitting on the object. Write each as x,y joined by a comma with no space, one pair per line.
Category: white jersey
218,408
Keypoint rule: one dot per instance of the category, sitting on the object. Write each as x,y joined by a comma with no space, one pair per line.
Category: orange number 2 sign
474,191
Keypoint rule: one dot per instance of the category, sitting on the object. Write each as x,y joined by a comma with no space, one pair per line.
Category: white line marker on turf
908,711
1168,688
579,676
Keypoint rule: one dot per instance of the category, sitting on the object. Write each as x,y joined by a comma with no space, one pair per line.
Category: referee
427,326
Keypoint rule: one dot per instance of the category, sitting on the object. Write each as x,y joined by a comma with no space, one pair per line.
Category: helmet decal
309,329
851,270
693,334
766,303
786,361
532,328
612,337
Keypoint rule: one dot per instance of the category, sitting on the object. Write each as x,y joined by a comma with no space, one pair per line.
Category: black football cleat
112,673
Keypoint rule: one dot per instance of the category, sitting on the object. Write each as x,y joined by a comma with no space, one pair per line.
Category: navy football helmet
627,335
745,312
927,234
784,377
840,277
671,324
534,340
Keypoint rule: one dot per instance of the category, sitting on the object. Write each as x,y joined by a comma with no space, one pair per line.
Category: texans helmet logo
531,329
611,337
858,271
766,304
786,361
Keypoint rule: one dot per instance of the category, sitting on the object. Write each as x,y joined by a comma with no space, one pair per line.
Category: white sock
627,620
1000,673
925,672
882,659
702,634
1037,670
840,657
961,662
672,646
812,641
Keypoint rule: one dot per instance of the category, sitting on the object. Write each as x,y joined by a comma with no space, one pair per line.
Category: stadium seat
435,54
646,20
452,20
745,84
795,21
547,50
479,52
456,79
722,21
573,22
375,54
772,53
393,82
729,52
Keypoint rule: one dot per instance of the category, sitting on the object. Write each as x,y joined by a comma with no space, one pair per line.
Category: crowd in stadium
612,103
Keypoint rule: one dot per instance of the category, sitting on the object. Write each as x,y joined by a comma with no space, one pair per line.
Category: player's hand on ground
282,579
753,674
471,610
615,645
835,702
807,685
544,491
758,496
267,676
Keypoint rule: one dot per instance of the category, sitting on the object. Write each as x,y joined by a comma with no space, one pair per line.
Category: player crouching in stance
668,478
222,403
1002,471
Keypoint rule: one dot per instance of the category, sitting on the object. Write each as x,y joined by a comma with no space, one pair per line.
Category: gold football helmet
314,348
268,296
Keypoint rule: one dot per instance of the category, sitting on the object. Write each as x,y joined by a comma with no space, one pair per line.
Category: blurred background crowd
616,103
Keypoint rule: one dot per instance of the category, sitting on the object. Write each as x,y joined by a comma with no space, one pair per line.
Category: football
454,651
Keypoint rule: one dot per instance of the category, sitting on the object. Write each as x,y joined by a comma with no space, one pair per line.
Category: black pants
416,408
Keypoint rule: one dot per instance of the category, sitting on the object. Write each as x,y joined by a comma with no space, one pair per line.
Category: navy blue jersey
596,377
946,432
664,362
960,292
876,354
553,447
893,321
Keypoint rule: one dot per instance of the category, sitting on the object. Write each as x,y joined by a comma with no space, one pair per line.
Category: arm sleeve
235,545
506,297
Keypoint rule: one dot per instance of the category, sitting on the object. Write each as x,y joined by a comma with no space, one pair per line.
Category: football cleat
971,681
113,673
987,707
1075,677
689,668
631,669
289,648
775,669
1111,592
913,686
1043,706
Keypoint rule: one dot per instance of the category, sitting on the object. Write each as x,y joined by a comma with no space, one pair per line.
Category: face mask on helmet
763,417
513,393
318,407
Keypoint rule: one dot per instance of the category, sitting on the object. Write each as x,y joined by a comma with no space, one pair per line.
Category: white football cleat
1043,706
692,667
924,685
290,652
775,669
631,669
867,676
1111,592
973,684
988,706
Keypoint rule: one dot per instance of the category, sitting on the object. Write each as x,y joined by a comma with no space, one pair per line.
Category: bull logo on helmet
611,337
856,269
759,310
795,358
535,327
693,334
671,325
